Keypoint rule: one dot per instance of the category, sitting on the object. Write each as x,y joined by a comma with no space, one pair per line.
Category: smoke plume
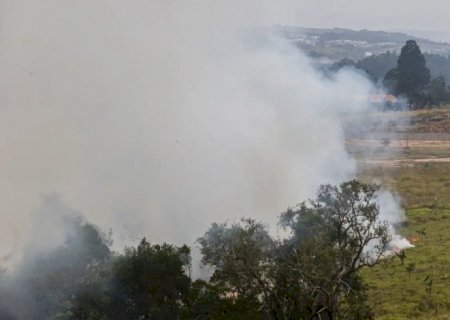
157,118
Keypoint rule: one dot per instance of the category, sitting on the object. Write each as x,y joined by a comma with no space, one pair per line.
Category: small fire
413,239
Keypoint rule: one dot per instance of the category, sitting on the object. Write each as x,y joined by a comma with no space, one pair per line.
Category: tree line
312,273
420,78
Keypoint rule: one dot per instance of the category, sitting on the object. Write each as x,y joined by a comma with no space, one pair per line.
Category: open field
394,292
418,169
399,138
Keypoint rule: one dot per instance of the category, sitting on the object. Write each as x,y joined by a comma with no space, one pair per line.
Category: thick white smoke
157,118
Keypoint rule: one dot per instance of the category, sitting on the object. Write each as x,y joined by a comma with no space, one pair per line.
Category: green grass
421,185
393,292
424,188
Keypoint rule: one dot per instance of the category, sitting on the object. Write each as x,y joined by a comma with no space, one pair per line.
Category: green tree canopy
331,238
309,274
438,91
411,75
150,282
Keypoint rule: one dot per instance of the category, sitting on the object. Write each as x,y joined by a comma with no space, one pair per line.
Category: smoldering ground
157,118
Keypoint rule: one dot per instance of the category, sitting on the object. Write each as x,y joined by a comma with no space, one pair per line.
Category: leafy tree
39,288
311,272
331,238
411,74
146,282
378,65
92,300
438,65
437,91
348,63
215,302
150,282
355,305
53,279
241,256
390,80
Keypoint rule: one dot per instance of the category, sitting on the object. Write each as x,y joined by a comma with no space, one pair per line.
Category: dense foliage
413,75
421,78
411,78
313,270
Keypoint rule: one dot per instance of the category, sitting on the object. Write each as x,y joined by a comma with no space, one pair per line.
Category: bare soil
414,137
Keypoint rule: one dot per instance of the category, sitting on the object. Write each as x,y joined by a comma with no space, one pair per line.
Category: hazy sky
380,14
404,15
429,15
153,118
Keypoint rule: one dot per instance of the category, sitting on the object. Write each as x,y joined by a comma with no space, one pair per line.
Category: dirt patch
402,161
400,143
402,138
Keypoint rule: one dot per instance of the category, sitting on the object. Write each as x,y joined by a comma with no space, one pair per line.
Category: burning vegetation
312,270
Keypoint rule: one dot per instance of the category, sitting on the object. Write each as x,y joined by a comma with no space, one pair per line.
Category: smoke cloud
157,118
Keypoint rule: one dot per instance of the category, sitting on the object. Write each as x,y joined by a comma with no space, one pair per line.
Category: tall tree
316,268
333,237
150,282
412,74
146,282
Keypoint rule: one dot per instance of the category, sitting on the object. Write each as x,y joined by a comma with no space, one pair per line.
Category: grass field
417,286
403,290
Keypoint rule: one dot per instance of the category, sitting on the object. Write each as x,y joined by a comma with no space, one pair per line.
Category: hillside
337,43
